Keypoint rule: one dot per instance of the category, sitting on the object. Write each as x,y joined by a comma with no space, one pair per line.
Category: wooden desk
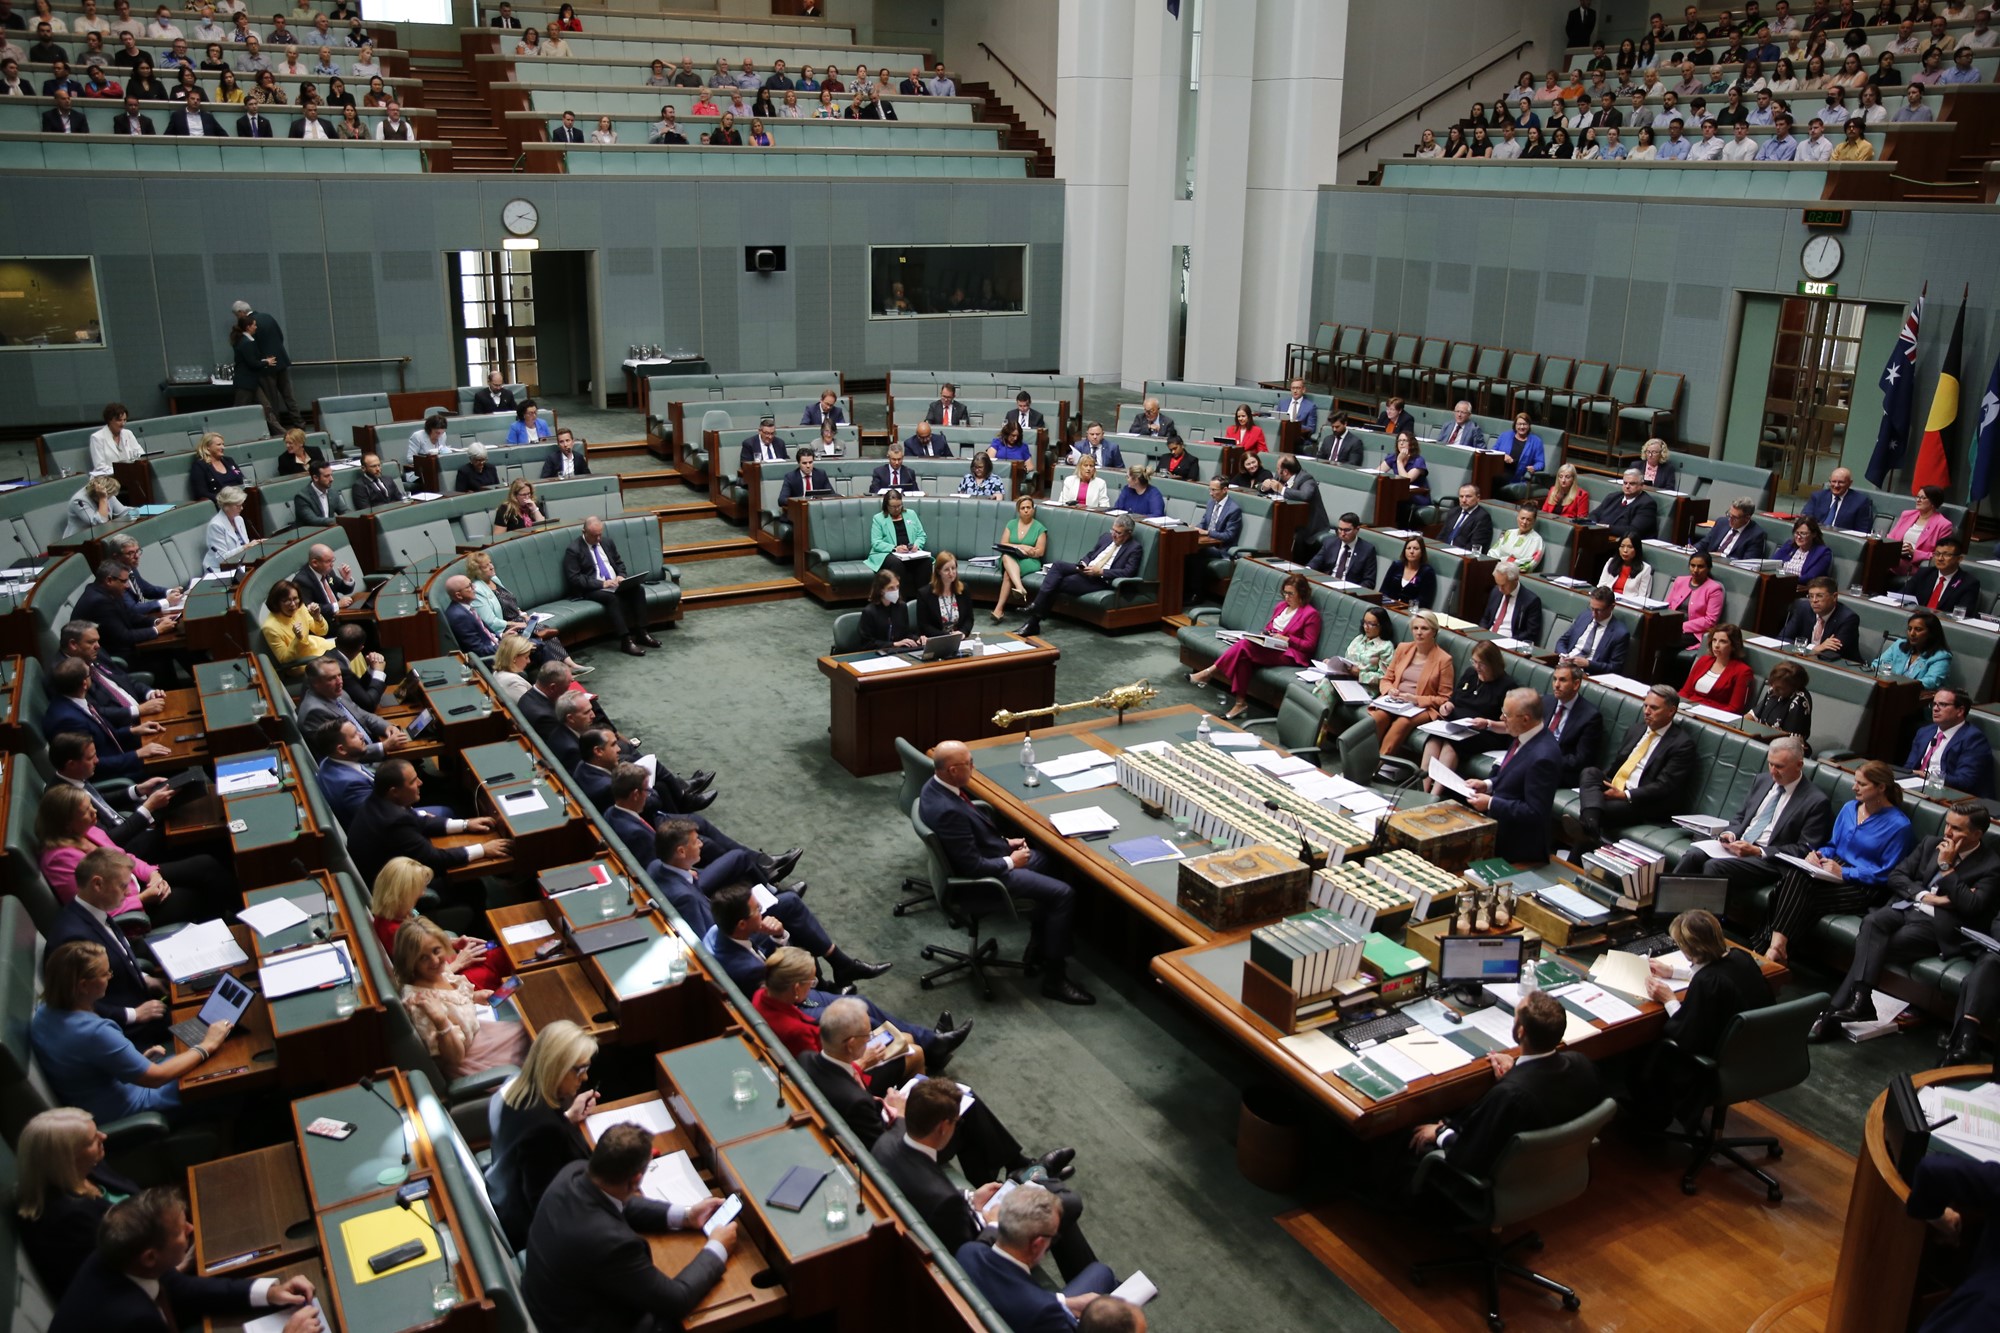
819,1263
339,1171
310,1265
562,991
1594,545
522,957
697,1083
247,1061
250,1212
1209,977
927,702
401,1298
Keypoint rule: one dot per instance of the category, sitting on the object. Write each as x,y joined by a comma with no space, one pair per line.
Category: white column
1094,53
1159,80
1293,144
1218,291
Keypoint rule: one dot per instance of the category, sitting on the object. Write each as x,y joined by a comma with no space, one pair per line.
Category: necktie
1453,437
1833,513
1588,644
95,717
1623,776
1819,630
1456,525
1766,814
1506,758
1500,618
1728,540
1937,592
603,565
1340,565
1293,411
104,679
1930,753
1556,722
253,127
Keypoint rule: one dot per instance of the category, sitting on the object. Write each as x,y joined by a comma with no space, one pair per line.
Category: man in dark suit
1512,611
133,1277
764,446
1025,416
495,396
388,825
62,118
1344,555
1340,445
826,409
1597,642
1462,430
325,584
1629,508
1781,814
1116,555
345,778
565,459
1295,484
121,699
910,1151
252,124
1839,505
567,132
1827,628
1471,528
1537,1089
1580,24
804,480
688,872
275,374
1093,443
1945,1187
1153,423
925,444
1521,793
946,410
974,845
193,120
1649,778
895,474
122,751
1945,883
1004,1271
506,19
1220,526
129,121
318,504
593,571
1945,587
132,817
308,125
600,759
1737,536
1573,720
589,1267
1950,747
122,627
132,999
372,488
466,627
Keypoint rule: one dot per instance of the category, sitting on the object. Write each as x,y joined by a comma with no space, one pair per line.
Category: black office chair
1536,1171
965,900
1762,1051
917,770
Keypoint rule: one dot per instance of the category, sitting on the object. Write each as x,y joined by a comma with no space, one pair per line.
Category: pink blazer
59,869
1303,633
1924,542
1704,604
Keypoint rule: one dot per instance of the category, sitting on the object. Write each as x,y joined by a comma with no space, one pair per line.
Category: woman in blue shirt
1921,655
1008,446
89,1061
1139,497
528,424
1870,834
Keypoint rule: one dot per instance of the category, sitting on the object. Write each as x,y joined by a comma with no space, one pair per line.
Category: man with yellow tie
1652,775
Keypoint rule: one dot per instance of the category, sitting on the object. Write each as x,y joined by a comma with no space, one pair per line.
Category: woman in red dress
1720,677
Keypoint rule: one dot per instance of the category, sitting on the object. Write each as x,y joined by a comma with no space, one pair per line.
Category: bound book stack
1623,874
1224,798
1315,953
1351,892
1425,883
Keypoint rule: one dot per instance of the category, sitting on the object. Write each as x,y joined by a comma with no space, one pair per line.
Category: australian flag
1899,381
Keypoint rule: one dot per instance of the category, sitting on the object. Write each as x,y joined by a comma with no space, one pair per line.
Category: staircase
1017,136
477,142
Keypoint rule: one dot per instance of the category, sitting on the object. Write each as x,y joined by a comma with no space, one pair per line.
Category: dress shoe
649,640
579,669
782,864
855,970
701,781
1067,991
1825,1027
631,648
696,803
945,1022
1059,1162
1031,627
938,1054
797,888
1964,1048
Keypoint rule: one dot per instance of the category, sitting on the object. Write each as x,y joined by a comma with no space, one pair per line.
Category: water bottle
1029,778
1202,729
1934,784
1529,980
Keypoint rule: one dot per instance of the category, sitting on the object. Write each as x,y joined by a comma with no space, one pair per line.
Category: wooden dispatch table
250,1212
816,1259
1209,977
927,702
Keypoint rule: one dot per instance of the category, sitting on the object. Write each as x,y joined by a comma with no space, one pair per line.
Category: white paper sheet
527,932
1064,765
673,1179
1713,849
1320,1053
1625,973
1434,1053
1447,730
1090,819
1277,765
1352,691
868,666
270,917
1396,1062
523,802
1444,777
1233,740
205,946
238,783
1601,1003
1137,1289
651,1116
1089,778
308,969
1805,865
1495,1022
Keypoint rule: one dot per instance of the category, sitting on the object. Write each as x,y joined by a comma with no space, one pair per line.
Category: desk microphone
325,913
346,969
402,1121
407,1199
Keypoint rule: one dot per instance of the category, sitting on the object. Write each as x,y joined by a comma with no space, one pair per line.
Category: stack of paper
1078,823
527,932
672,1179
868,666
270,917
1088,779
651,1116
306,969
204,947
1887,1010
1064,765
1434,1053
1626,973
1319,1052
1136,1290
525,802
1233,740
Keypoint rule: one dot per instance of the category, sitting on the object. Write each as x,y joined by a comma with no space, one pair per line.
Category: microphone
407,1199
325,913
346,968
402,1122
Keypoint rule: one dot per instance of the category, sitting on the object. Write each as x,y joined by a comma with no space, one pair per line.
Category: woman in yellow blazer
294,631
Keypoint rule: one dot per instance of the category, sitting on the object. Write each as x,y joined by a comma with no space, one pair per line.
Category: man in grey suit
1154,423
1295,483
319,503
590,1269
1782,812
325,700
1462,429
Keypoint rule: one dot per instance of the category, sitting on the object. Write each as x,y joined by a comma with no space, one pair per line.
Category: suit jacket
794,485
1227,526
122,124
531,1147
905,479
930,614
638,836
1957,1182
1471,529
937,416
566,748
345,787
972,842
552,462
860,1108
298,129
1123,565
177,123
1580,26
367,492
102,1300
102,677
1641,518
1973,887
1751,543
1967,762
120,624
1960,589
1841,623
589,1267
1033,423
538,710
470,630
313,507
382,830
1524,791
1107,454
1025,1304
580,566
1725,988
1308,415
115,745
1806,821
315,712
753,451
883,626
128,984
1305,489
1360,565
1857,511
1536,1094
1608,653
1669,773
262,129
1582,735
308,584
937,447
1342,448
1159,428
927,1187
566,134
1473,436
1527,613
814,417
486,401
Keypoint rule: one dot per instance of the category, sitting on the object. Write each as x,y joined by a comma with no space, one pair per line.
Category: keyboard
1370,1031
1651,946
190,1031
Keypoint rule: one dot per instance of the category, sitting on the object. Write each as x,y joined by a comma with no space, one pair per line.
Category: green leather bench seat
689,389
698,159
600,88
151,155
643,44
172,434
732,419
530,564
171,545
828,134
729,444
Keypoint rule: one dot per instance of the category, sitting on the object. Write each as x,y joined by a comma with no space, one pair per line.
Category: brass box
1247,887
1448,835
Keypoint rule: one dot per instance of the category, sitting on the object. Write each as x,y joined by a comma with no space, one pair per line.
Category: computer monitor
1684,893
1475,960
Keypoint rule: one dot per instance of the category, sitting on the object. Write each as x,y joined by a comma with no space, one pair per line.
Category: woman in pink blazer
66,831
1917,530
1699,595
1295,618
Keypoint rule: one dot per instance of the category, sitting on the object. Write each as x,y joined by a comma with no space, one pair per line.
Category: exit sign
1826,217
1819,289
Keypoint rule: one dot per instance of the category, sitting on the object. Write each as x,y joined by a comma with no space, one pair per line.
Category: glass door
496,315
1810,390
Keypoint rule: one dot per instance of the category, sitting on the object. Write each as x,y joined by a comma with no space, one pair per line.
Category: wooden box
1423,937
1448,835
1247,887
1559,930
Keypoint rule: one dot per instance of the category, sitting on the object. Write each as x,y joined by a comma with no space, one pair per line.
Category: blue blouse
1012,452
1867,852
1418,593
1928,671
91,1064
990,487
518,432
1152,504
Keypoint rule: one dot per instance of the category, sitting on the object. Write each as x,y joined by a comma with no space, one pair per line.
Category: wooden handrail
1047,110
1458,89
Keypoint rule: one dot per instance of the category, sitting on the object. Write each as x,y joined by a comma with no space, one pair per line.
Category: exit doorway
526,314
1809,389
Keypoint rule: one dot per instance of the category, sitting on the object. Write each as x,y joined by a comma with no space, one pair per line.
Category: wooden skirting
1639,1253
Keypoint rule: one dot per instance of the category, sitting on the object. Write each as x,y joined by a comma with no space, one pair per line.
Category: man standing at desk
1117,555
593,571
1297,407
1522,791
1536,1089
974,845
1294,483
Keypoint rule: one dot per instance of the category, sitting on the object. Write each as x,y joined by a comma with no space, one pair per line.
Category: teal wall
356,268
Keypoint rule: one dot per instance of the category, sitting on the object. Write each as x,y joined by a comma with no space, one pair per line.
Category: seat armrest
480,1086
134,1131
1195,613
819,555
1134,588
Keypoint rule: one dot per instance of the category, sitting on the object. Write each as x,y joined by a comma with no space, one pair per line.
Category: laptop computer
1676,894
225,1004
938,648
